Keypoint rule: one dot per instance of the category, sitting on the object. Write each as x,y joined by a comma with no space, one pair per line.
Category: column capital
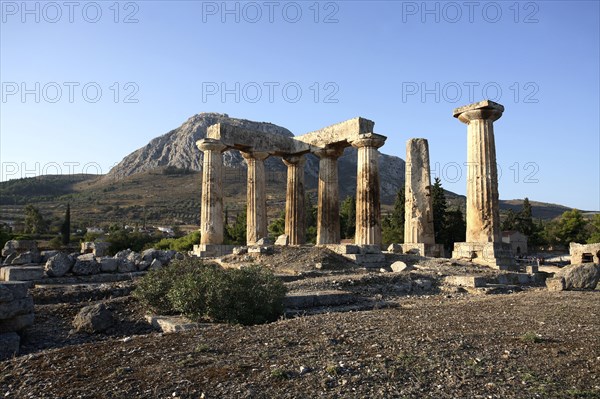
209,144
368,140
297,160
329,152
485,109
261,156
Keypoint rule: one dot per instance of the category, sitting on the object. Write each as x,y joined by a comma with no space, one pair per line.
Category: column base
367,256
212,250
344,249
485,253
421,249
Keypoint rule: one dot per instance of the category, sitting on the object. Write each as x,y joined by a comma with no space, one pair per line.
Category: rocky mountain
177,149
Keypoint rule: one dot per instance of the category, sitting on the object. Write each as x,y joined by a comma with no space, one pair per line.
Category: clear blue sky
405,65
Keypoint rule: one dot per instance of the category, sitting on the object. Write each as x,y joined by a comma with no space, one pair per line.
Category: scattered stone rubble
55,264
21,252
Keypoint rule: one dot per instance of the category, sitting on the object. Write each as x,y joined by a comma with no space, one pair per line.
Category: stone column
368,209
328,216
483,215
211,212
256,199
418,219
294,199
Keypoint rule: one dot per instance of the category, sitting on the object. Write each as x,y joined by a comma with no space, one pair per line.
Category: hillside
168,198
160,182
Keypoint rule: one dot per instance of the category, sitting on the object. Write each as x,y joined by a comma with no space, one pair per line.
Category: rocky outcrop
177,149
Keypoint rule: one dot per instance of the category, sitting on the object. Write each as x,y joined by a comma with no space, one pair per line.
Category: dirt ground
433,343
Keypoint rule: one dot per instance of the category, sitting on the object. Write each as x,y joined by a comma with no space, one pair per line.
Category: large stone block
399,267
25,258
59,265
555,284
583,276
14,289
9,345
171,324
484,253
16,323
93,319
126,265
19,246
5,294
86,265
22,273
466,281
109,265
16,307
344,248
282,240
303,300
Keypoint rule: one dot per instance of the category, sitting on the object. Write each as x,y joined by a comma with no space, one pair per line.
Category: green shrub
251,295
152,290
55,243
188,295
182,244
123,239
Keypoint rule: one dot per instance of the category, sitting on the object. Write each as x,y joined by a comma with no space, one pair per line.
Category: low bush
182,244
251,295
152,290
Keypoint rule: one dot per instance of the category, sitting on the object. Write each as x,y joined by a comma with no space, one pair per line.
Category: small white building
166,230
95,230
516,240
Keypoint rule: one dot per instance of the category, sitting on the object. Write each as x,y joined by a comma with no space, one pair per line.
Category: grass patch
531,337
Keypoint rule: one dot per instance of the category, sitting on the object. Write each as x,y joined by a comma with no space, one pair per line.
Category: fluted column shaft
368,208
256,199
328,211
211,211
418,217
294,200
483,215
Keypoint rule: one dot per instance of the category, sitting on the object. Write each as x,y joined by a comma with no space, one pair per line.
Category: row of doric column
368,212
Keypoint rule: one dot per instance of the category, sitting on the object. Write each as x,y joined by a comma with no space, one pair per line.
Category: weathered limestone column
294,199
328,214
483,215
256,199
418,219
368,209
211,212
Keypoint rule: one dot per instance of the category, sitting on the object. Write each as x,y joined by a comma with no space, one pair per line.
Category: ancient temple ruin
419,235
328,145
483,240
